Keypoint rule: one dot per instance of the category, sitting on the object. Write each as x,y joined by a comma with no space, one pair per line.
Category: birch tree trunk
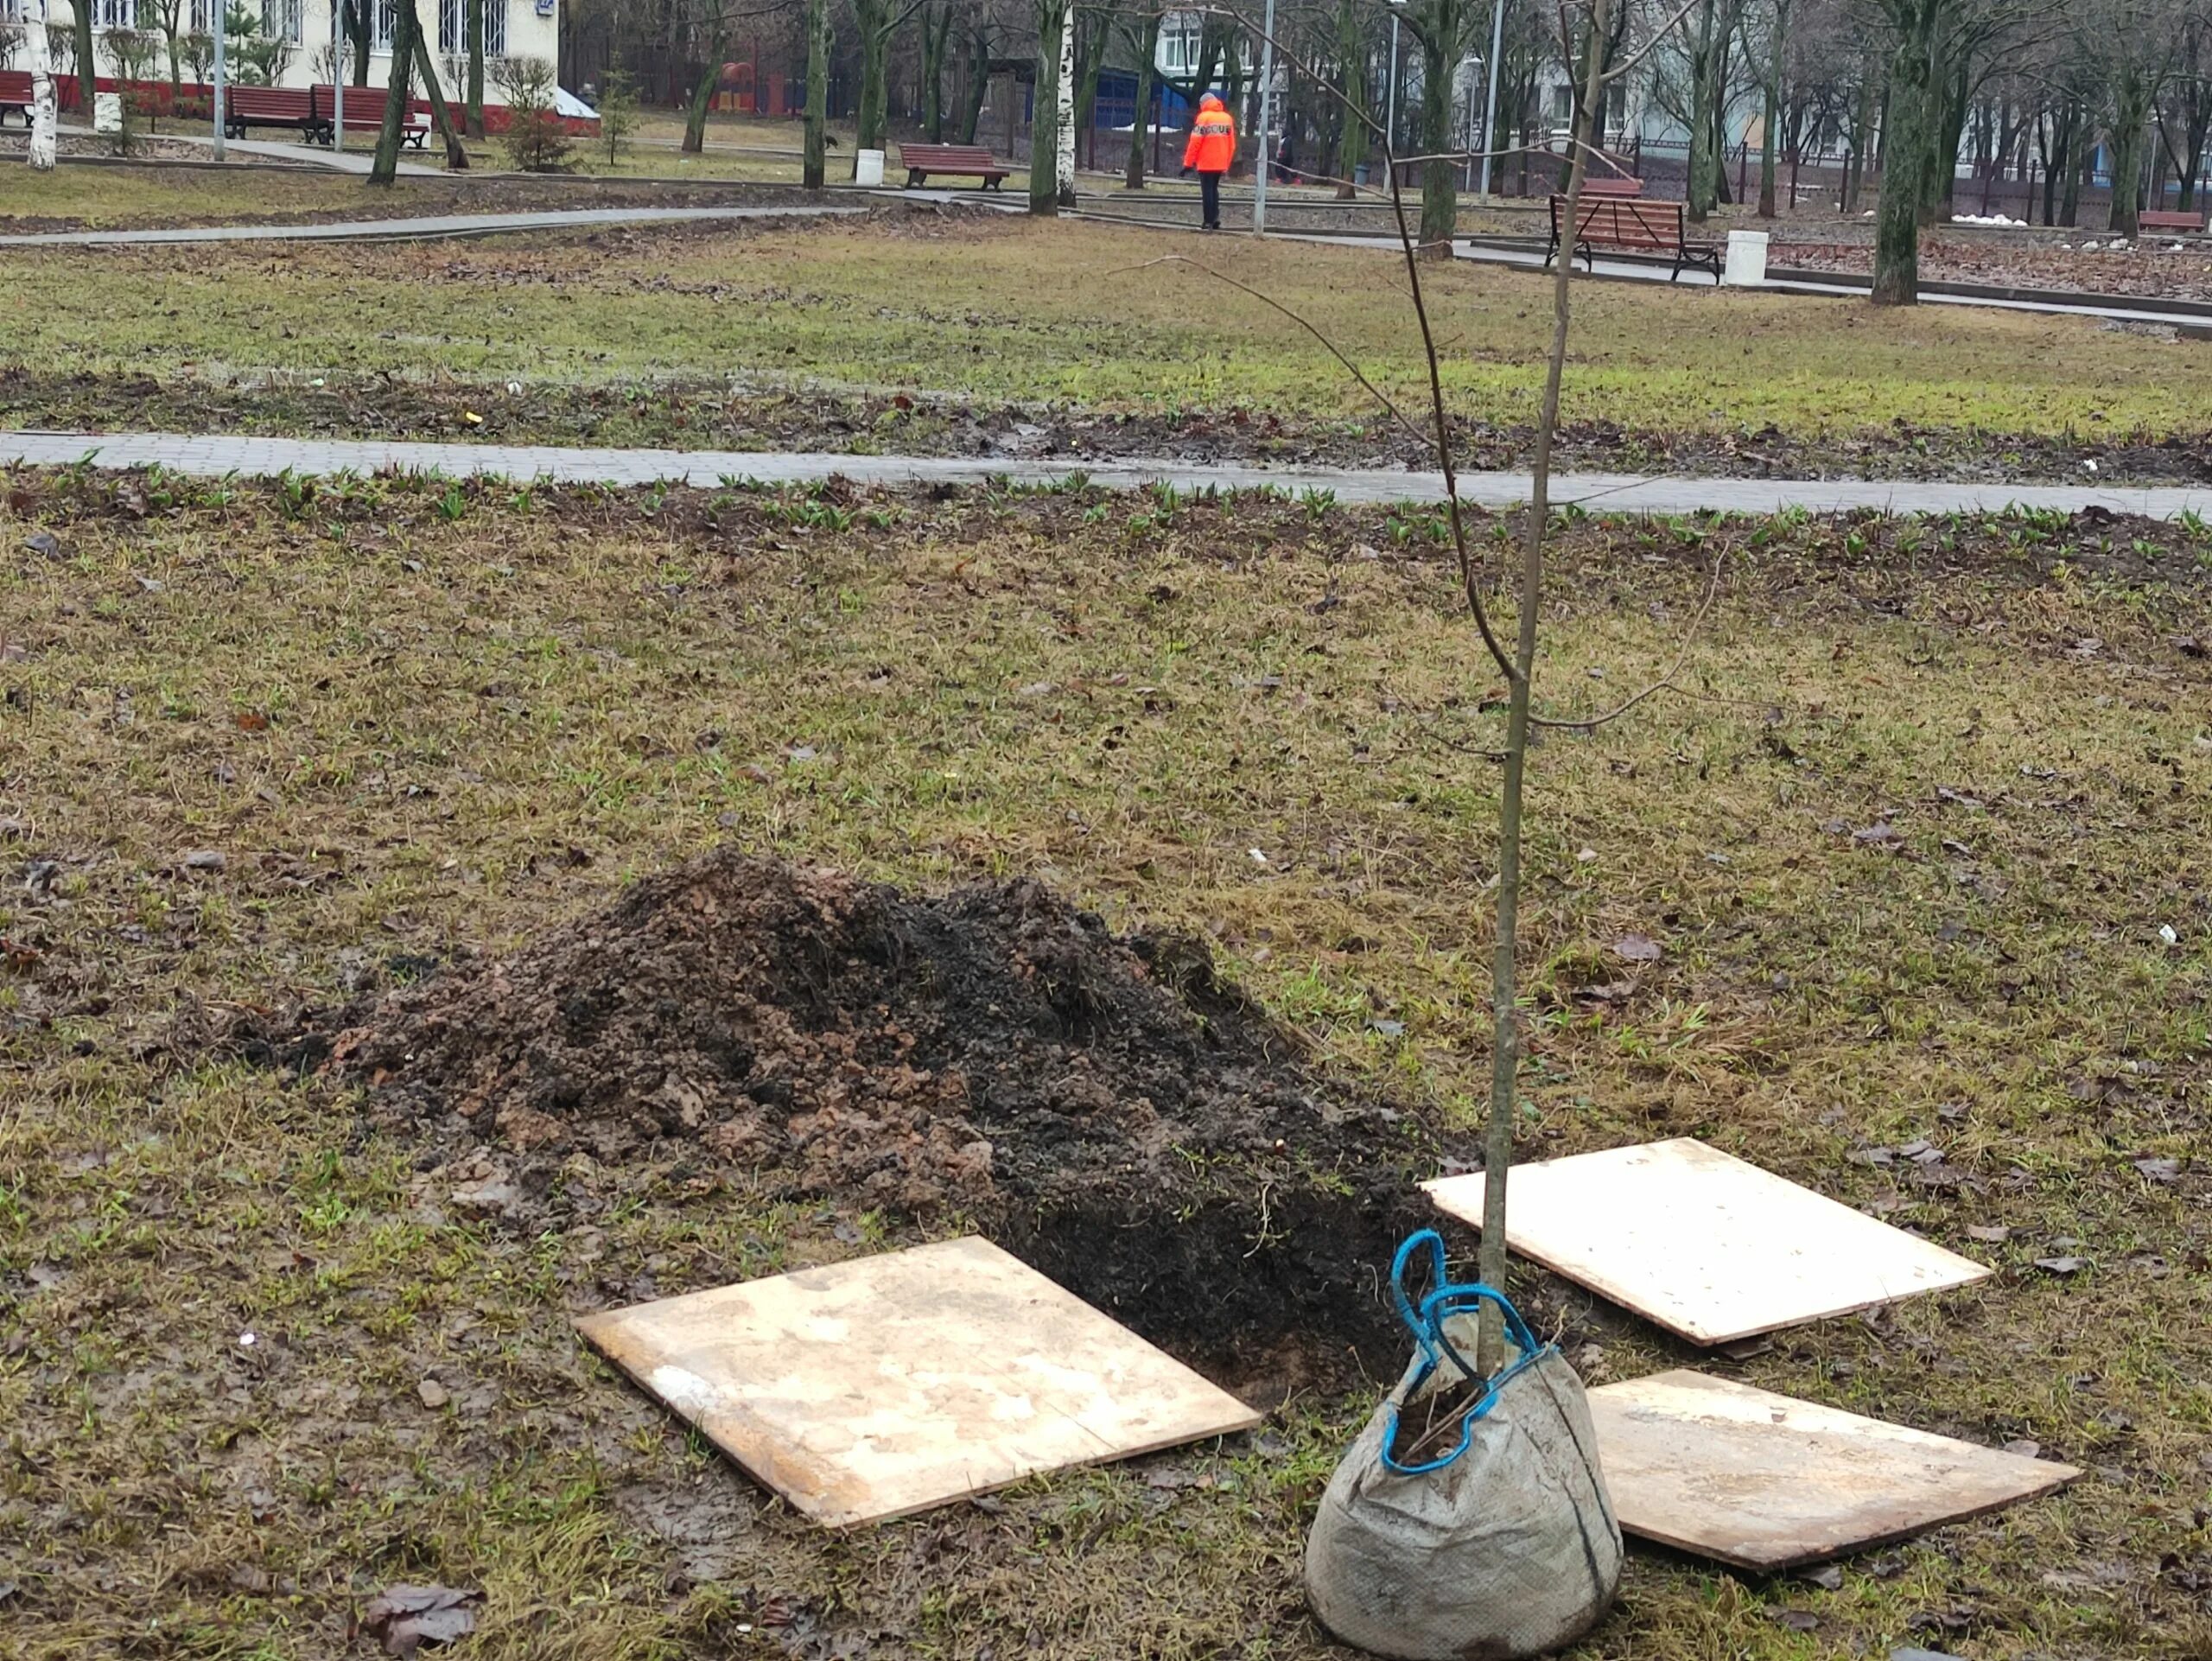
1063,118
43,144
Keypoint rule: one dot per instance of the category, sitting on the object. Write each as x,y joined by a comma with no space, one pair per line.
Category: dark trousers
1210,197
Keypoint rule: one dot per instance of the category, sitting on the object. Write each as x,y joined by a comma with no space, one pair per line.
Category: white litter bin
868,167
107,112
1746,266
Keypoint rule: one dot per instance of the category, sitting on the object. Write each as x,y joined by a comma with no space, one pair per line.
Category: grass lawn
415,717
98,198
985,310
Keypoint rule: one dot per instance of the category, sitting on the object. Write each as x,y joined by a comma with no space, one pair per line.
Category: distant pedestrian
1286,162
1211,152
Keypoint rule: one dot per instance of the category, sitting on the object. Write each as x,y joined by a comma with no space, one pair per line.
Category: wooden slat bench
1601,184
274,106
364,111
2159,218
1632,226
922,160
15,94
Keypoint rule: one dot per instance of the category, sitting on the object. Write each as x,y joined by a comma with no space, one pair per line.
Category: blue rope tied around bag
1425,1320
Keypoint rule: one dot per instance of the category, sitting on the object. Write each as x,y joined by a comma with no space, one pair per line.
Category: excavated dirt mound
1108,1109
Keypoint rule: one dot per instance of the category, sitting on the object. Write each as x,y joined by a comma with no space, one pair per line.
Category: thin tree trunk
1146,41
356,16
872,20
384,168
1767,149
1505,980
1704,162
476,69
88,72
456,156
702,97
979,85
1090,59
936,34
1351,70
815,166
1440,180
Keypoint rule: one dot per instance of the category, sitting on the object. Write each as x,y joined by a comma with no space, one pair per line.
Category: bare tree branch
1350,368
1665,683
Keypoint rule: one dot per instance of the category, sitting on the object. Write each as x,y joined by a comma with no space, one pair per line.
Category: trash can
107,112
1746,266
868,167
1359,173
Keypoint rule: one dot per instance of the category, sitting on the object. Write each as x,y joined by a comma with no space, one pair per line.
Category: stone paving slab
217,454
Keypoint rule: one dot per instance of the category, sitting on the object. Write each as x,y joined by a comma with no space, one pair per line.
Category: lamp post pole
1489,103
337,74
216,7
1266,115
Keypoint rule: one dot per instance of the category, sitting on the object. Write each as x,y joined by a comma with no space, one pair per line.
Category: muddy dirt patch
1107,1107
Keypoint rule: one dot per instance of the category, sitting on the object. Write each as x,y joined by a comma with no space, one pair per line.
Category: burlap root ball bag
1495,1541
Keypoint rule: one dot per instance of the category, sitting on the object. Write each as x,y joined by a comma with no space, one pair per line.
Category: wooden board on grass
872,1389
1767,1482
1703,1244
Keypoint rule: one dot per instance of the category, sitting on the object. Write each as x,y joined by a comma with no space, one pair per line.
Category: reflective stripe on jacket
1212,147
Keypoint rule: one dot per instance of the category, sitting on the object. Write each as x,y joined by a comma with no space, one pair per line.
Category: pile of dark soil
1108,1109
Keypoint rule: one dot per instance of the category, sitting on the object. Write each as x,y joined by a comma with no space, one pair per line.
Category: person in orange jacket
1210,152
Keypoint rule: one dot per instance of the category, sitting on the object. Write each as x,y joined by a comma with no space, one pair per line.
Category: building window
453,27
115,14
387,20
280,20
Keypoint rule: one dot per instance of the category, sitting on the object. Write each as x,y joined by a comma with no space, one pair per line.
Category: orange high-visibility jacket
1212,147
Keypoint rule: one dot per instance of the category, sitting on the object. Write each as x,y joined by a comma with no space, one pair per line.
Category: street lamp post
1490,102
216,7
1266,113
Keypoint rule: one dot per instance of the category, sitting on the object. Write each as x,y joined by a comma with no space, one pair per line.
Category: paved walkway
418,229
1627,271
214,456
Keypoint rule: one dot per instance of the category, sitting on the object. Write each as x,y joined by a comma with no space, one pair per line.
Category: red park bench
2156,219
15,94
274,106
1604,184
1632,226
364,111
922,160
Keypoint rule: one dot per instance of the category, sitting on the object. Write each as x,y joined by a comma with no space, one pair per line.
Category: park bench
364,111
2156,219
273,106
1604,184
1633,226
15,94
922,160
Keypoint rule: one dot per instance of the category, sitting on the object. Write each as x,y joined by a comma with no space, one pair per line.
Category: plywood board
1767,1482
871,1389
1703,1244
